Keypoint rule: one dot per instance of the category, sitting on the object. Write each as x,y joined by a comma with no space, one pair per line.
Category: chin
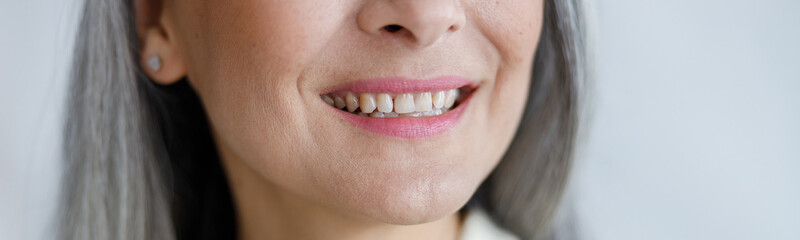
410,197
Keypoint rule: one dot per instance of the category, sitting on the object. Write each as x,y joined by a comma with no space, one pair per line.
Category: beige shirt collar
479,226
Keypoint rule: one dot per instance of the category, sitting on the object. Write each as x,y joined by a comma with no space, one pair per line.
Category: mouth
402,107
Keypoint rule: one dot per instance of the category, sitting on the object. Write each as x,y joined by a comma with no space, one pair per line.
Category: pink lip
404,85
407,127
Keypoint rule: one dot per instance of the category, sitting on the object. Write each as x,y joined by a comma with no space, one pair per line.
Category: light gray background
695,131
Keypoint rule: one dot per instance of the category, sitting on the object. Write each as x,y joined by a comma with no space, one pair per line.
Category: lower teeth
377,114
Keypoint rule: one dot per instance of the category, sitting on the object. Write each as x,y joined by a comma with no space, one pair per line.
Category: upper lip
404,85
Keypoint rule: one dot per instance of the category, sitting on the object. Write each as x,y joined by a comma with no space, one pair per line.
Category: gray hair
126,176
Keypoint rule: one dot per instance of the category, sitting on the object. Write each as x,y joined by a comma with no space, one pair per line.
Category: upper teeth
387,105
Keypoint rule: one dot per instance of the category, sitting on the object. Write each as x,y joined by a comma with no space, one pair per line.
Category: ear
160,57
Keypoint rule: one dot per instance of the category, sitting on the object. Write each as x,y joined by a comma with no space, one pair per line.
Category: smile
387,105
402,107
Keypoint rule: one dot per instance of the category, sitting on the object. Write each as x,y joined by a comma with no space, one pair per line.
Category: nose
418,22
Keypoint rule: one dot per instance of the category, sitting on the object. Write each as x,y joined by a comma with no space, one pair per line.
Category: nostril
393,28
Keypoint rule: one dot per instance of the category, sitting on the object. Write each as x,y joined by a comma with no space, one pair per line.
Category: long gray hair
140,162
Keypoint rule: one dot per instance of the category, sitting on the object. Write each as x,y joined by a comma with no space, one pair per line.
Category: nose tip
418,22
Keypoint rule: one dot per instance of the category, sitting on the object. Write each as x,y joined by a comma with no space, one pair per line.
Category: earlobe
160,59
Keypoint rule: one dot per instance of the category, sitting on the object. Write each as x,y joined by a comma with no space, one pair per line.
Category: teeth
351,101
422,102
367,103
339,102
438,99
376,114
328,100
383,105
384,102
450,99
404,103
415,114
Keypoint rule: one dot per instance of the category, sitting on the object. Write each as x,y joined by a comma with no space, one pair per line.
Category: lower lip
409,127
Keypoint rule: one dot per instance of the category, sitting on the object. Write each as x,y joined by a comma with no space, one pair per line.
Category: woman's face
264,69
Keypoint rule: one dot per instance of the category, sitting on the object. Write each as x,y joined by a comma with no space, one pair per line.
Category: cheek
245,60
514,28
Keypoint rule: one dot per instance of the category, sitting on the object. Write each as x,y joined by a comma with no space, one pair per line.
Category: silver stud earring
154,63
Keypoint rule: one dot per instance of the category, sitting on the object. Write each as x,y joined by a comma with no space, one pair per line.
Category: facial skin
298,170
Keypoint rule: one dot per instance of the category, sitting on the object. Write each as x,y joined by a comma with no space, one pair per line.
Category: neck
267,211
